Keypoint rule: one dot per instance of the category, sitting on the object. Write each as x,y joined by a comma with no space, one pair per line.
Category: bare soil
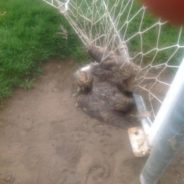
46,139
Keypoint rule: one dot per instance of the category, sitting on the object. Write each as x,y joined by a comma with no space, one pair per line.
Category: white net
153,44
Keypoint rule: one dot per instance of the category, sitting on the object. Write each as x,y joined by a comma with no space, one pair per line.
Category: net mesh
151,43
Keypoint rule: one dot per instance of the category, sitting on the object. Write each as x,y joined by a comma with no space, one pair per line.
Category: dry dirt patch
45,139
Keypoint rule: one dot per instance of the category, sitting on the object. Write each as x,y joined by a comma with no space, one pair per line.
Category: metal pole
167,135
141,107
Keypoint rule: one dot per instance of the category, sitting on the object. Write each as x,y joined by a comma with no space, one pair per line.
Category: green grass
168,36
138,43
29,34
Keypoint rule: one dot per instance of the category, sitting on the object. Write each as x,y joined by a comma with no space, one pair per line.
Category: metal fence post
167,135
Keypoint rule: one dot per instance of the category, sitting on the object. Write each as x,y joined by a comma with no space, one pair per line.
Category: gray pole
169,137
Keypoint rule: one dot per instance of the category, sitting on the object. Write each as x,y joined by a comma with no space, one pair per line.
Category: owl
99,54
84,78
121,102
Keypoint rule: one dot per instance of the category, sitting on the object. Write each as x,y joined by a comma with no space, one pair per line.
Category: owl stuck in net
106,85
84,79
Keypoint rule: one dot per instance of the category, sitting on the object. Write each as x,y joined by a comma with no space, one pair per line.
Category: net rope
151,43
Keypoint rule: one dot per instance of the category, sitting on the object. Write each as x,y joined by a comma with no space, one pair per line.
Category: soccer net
125,25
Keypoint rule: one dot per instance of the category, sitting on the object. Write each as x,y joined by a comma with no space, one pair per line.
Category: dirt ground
45,139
